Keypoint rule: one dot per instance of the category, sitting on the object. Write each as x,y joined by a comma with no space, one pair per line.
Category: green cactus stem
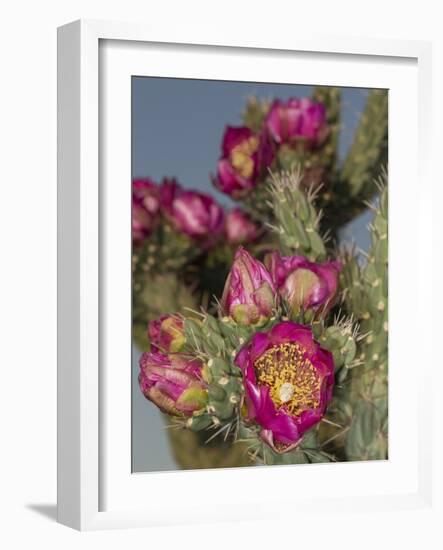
368,152
354,182
368,434
308,451
330,97
191,450
255,113
296,220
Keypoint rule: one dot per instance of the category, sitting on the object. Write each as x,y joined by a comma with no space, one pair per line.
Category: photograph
259,274
222,264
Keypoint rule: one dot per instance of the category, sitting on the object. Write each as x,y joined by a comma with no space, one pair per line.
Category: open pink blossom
288,380
245,154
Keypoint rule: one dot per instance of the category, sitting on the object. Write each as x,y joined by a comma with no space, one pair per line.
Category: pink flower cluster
190,212
288,378
171,380
253,290
246,155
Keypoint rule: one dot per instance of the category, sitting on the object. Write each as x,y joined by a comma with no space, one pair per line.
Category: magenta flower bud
146,192
249,296
167,333
297,119
244,156
145,208
288,380
173,383
196,214
304,285
168,191
239,228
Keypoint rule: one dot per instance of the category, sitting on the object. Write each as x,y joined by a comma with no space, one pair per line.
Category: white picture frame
95,486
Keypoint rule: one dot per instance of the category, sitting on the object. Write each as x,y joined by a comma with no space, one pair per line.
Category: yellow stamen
241,156
293,382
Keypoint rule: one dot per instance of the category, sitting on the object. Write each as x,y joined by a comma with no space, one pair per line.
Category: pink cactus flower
288,380
304,285
145,208
249,296
196,214
295,120
166,333
245,155
173,383
239,228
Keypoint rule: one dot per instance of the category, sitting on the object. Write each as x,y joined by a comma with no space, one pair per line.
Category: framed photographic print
234,284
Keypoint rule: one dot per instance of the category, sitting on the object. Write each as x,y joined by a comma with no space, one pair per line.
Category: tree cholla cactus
368,435
289,363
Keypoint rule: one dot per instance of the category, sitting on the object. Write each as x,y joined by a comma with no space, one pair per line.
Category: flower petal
288,331
233,136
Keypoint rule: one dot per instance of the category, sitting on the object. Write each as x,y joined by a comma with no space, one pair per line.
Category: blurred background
177,128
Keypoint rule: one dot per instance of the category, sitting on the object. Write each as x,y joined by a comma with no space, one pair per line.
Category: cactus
369,149
368,435
354,426
293,364
191,447
254,113
215,343
164,250
354,182
191,451
308,452
296,220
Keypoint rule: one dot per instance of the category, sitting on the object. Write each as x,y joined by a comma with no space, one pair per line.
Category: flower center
293,382
286,392
241,156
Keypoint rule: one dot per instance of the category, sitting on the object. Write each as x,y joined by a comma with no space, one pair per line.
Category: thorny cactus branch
367,437
369,149
354,184
254,113
296,220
